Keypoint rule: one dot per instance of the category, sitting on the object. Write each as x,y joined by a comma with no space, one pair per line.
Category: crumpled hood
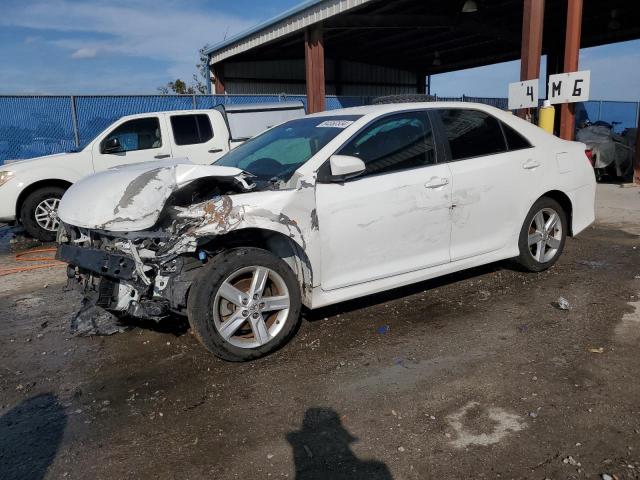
131,198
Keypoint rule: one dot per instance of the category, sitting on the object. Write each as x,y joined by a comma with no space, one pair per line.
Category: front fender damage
169,255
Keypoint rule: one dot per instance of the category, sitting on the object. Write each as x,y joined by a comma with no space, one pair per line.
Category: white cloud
157,29
85,53
31,39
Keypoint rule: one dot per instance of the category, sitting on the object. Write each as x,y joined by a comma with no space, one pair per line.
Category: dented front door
384,225
393,219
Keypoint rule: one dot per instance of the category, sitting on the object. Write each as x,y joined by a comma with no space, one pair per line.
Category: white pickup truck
30,190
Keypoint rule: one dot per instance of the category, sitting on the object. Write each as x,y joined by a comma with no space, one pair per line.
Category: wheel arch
565,202
36,186
278,243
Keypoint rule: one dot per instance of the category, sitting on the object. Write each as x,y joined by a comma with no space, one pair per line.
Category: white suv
320,210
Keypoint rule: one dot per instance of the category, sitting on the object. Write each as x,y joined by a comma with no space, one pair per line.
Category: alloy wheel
46,214
251,306
545,235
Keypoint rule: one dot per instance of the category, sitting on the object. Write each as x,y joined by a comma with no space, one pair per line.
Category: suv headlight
5,177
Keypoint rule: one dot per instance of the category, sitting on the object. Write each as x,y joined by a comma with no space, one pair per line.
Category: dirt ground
475,375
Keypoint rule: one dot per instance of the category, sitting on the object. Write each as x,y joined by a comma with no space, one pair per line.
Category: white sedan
320,210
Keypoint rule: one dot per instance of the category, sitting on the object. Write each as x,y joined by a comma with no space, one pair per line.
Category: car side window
515,141
471,133
191,129
138,134
396,142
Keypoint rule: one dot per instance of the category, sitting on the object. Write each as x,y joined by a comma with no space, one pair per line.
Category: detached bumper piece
97,261
92,320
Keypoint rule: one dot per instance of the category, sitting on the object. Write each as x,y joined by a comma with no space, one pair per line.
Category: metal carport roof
433,36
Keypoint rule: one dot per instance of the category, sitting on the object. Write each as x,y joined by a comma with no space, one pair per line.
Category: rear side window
396,142
515,141
191,129
472,133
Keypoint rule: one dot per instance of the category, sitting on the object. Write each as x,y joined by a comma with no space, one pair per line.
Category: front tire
39,213
543,235
244,304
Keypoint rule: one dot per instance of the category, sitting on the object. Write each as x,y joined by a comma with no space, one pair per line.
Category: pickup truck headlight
5,177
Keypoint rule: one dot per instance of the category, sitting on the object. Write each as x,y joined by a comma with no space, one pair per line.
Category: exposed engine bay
147,273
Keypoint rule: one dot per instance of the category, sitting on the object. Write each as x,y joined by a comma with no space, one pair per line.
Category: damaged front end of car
146,273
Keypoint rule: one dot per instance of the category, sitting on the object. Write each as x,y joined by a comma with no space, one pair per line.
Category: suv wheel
39,213
244,304
543,235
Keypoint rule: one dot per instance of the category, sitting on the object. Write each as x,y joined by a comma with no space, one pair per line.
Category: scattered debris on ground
562,304
93,320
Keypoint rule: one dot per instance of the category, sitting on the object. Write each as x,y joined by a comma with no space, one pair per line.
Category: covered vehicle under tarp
610,151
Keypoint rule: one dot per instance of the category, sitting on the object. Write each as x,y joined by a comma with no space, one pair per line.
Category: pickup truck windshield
278,152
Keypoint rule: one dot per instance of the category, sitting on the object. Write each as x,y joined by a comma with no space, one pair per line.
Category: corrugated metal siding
375,90
286,76
372,80
234,87
286,26
274,77
365,73
269,69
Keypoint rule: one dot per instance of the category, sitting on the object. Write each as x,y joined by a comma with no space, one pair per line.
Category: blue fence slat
32,126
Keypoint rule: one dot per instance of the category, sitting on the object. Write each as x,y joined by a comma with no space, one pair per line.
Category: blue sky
119,46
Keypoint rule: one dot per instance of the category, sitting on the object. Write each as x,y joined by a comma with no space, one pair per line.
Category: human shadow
30,435
321,450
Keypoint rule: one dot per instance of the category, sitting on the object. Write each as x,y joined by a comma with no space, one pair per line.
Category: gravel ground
475,375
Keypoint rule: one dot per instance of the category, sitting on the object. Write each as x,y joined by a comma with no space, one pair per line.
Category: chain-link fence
32,126
620,115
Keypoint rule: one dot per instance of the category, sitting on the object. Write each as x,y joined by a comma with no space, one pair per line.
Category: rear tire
542,236
39,213
244,304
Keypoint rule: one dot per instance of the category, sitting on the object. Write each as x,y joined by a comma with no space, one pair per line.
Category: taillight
589,153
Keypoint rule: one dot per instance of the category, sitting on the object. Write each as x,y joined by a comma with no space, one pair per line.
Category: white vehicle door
491,182
132,141
194,138
392,219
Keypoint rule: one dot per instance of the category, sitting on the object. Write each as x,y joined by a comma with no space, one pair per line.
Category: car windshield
280,151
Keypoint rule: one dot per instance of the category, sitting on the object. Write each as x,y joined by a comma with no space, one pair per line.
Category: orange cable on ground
25,257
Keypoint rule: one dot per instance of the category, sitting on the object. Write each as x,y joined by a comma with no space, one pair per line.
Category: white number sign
523,94
569,87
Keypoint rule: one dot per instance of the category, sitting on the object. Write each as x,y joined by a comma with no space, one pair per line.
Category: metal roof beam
387,21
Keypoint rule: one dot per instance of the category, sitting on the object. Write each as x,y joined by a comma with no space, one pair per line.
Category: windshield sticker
335,124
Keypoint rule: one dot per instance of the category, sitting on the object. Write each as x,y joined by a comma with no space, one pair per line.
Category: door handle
530,164
437,182
162,155
215,150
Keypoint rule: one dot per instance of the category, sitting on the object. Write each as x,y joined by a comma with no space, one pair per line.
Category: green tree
199,81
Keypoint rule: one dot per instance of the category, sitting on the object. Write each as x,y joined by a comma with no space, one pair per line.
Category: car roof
533,133
399,107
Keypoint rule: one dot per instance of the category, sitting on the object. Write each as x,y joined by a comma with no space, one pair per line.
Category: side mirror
111,145
344,167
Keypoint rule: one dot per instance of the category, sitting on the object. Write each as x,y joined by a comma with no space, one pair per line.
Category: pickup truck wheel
244,304
39,213
543,235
